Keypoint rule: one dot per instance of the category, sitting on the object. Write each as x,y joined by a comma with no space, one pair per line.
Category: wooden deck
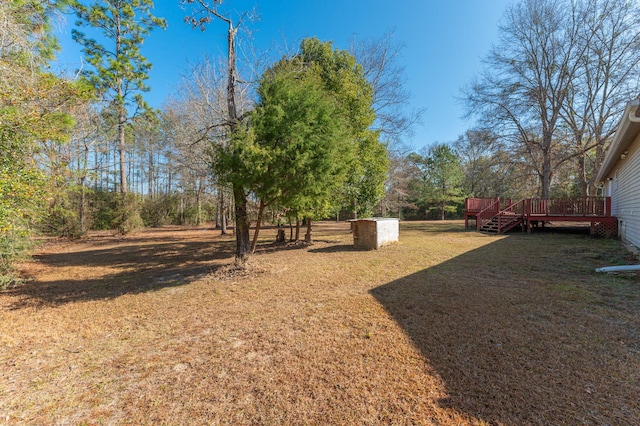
502,215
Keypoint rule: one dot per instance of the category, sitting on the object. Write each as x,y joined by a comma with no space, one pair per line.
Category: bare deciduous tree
608,78
556,82
379,59
527,79
202,14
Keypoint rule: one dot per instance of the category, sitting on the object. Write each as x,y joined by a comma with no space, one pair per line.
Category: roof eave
627,130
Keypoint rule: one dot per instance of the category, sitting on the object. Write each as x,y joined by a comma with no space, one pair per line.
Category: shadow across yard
337,248
148,261
105,266
522,331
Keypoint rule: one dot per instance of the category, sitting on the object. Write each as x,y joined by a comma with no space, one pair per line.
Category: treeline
35,106
306,139
547,104
315,134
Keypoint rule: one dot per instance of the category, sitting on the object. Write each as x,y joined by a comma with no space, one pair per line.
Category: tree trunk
83,204
114,179
597,165
219,209
181,210
157,185
254,243
231,81
243,243
228,212
582,176
290,230
222,212
150,174
107,168
297,230
122,120
198,208
307,237
83,194
546,174
97,182
443,205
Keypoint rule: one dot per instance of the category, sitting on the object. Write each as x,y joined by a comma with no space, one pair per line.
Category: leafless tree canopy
381,62
556,80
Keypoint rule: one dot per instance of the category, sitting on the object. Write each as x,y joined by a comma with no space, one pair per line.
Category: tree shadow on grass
519,342
328,246
337,248
130,266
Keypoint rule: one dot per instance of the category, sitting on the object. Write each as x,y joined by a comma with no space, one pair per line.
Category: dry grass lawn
446,327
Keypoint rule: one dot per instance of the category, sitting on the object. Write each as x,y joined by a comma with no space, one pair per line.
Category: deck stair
499,216
502,222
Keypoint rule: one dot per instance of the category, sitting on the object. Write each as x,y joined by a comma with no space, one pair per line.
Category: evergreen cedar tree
307,148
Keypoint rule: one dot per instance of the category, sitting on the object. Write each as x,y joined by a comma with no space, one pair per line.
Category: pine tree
118,70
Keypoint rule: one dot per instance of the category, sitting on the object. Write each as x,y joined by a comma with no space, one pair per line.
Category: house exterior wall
625,194
608,192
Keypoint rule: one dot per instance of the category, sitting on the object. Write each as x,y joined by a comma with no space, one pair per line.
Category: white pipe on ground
621,268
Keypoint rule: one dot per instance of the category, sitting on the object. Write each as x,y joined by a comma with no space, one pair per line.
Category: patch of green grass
436,226
572,292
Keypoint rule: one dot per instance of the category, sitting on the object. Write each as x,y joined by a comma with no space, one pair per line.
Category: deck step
509,221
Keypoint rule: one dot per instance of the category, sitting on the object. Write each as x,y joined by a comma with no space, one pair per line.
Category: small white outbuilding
620,173
372,233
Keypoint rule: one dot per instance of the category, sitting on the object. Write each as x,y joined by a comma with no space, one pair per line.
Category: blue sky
444,41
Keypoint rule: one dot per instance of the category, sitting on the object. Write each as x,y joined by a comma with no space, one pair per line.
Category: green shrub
127,214
13,246
160,211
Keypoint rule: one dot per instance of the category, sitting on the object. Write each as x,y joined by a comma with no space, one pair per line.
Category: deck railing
480,204
492,209
581,206
489,212
486,209
507,217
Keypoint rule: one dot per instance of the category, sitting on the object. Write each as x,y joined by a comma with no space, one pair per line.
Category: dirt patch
444,327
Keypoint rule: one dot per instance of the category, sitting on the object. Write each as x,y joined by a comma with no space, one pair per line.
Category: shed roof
627,130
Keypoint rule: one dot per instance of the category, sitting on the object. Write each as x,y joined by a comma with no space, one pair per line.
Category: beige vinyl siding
612,191
626,195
